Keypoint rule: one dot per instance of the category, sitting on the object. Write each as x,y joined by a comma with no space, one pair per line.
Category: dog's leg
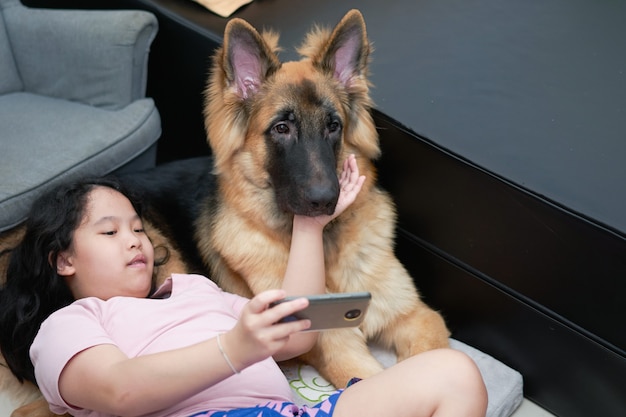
342,354
415,332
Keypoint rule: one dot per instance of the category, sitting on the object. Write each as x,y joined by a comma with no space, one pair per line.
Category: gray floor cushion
504,385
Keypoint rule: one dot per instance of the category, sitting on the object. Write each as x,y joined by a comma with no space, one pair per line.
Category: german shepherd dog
279,133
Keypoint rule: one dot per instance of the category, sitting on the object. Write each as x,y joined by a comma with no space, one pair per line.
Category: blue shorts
280,409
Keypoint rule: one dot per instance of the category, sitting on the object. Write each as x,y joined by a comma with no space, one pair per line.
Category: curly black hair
33,290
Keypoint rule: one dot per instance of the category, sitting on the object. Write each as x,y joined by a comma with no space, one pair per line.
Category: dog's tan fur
245,239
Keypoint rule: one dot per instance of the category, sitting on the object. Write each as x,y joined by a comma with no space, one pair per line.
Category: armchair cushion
48,140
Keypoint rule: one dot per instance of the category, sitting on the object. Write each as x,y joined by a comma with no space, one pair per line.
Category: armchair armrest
96,57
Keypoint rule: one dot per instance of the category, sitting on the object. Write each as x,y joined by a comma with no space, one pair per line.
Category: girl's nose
134,240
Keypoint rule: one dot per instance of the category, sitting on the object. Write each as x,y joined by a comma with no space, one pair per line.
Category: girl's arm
306,273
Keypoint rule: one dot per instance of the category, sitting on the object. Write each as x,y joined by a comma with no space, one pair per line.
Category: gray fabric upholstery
72,99
9,78
48,140
95,57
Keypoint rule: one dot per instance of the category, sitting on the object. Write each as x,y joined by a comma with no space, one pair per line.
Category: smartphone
331,311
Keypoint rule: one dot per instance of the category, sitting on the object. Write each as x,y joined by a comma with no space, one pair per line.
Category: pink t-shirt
196,310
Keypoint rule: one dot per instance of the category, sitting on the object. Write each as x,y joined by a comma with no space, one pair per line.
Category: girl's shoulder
193,285
182,282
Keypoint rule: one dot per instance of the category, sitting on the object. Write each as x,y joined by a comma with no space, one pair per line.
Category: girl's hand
350,184
258,335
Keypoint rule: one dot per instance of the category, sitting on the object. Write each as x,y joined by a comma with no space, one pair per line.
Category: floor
5,406
530,409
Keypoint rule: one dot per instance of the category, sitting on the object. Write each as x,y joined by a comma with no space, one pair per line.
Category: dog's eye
281,128
333,127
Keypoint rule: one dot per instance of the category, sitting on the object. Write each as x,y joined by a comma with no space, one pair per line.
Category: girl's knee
450,360
466,378
461,363
455,371
443,379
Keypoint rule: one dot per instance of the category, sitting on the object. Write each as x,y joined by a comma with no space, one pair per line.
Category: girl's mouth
138,260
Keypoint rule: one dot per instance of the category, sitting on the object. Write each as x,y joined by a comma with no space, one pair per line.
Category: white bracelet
230,364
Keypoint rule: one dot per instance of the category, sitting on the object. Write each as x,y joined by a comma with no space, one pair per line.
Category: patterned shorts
279,409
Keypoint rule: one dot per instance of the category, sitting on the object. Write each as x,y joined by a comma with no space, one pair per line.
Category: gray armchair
72,99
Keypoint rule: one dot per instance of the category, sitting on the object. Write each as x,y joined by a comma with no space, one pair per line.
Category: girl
109,345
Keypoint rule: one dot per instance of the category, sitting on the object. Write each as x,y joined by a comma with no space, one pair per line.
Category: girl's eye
140,230
109,233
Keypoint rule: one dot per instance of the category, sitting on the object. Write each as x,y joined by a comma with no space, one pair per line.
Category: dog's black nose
322,200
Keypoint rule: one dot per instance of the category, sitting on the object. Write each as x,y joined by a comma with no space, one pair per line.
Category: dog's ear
239,69
248,59
346,53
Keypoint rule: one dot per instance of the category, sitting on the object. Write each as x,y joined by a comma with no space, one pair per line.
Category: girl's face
110,254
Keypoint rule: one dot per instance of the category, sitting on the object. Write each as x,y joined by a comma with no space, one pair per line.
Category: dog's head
288,126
